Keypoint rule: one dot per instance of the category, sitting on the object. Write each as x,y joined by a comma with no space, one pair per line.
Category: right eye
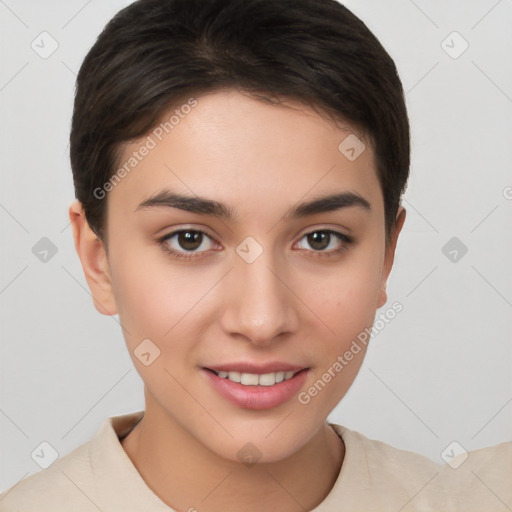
183,241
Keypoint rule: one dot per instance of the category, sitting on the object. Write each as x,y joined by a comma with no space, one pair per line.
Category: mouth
256,379
256,390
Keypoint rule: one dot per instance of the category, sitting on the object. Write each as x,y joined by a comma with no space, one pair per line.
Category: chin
258,447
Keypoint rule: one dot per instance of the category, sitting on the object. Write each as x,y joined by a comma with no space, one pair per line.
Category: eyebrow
204,206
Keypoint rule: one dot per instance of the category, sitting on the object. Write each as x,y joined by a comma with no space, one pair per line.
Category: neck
186,475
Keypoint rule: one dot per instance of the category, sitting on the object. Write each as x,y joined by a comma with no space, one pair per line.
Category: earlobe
91,251
390,255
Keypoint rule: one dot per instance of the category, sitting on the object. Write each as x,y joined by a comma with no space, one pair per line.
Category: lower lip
257,397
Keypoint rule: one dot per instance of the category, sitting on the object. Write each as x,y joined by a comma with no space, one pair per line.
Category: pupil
188,240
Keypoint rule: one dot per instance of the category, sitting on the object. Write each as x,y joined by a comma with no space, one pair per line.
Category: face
271,288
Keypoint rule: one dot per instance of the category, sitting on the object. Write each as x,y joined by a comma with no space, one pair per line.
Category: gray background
439,372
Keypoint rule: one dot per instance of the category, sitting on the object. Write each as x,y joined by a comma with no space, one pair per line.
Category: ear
390,255
94,260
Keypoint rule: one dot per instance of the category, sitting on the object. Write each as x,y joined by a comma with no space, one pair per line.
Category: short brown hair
155,53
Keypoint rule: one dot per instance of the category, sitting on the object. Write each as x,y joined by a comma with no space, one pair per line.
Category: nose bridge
260,306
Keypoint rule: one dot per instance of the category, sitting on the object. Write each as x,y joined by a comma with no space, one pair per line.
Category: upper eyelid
181,230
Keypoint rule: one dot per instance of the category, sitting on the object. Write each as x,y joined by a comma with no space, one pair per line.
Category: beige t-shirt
99,476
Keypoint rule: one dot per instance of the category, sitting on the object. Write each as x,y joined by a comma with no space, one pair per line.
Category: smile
254,379
256,391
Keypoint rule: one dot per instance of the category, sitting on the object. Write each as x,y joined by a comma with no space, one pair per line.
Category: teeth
249,379
254,379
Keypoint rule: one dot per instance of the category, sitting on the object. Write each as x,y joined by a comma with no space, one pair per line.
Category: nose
260,304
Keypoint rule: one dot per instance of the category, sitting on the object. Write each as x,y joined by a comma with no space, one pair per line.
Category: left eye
324,241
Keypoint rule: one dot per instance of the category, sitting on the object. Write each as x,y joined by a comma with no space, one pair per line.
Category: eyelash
322,254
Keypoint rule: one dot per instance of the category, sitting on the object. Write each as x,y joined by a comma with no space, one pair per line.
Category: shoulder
59,483
388,478
473,481
482,479
97,475
386,458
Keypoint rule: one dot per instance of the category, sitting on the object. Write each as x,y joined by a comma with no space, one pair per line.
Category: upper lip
261,369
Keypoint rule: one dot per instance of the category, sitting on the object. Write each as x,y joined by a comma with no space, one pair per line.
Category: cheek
146,293
345,300
153,306
157,299
139,299
347,297
346,306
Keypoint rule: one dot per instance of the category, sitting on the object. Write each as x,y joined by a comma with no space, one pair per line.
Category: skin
290,304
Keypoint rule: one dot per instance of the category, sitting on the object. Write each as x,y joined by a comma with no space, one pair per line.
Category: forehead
244,152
